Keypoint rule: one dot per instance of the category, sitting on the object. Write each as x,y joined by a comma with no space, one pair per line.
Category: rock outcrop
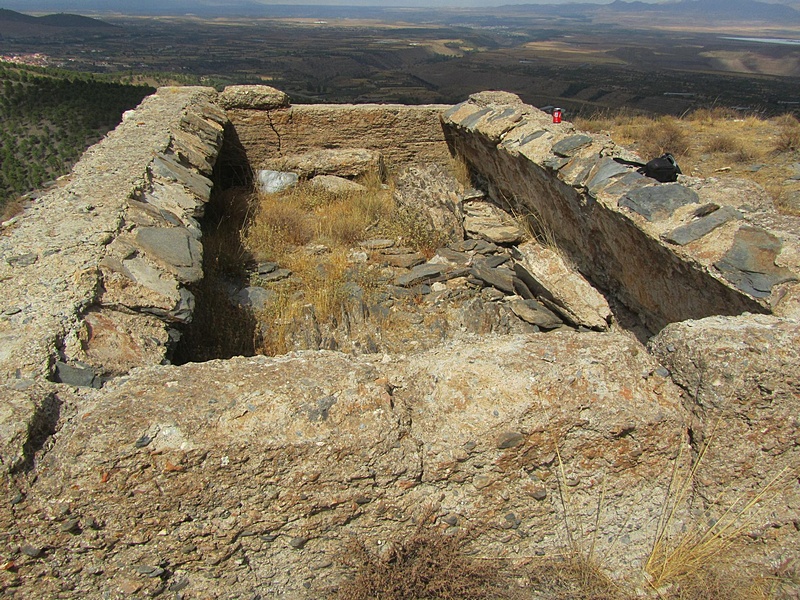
252,474
511,405
739,377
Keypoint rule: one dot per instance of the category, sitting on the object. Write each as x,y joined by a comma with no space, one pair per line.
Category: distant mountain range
740,10
18,25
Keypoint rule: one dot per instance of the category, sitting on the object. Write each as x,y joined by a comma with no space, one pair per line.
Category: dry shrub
280,222
302,214
788,134
428,565
322,279
412,227
710,116
725,143
747,153
661,136
573,577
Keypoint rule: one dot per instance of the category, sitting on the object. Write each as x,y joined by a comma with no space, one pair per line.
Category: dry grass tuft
701,560
788,134
661,136
573,577
711,116
413,229
427,565
301,214
280,227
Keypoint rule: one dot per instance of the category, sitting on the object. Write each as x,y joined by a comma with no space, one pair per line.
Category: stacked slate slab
669,251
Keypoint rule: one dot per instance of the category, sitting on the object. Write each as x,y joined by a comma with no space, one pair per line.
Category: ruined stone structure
125,476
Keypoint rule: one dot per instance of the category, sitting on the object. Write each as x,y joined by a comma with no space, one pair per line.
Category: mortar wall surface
401,133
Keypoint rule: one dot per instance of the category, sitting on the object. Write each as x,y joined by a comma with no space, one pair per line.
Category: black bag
663,169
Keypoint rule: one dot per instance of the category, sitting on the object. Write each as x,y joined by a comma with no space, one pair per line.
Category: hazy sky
220,5
111,4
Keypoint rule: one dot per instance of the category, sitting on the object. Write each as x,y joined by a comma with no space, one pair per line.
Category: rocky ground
492,277
480,389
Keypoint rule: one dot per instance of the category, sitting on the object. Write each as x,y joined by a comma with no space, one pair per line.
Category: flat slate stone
535,313
79,376
622,185
22,260
377,244
606,171
659,202
173,245
491,262
419,274
555,163
698,228
453,256
577,171
569,145
171,170
750,262
275,275
473,119
253,297
405,261
484,247
531,137
502,279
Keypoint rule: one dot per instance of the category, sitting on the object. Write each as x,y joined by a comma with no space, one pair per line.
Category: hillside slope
48,119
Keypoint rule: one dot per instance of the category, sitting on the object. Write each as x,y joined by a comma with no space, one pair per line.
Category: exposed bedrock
124,477
252,474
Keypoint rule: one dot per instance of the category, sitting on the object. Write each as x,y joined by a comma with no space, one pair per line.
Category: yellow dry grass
715,142
310,232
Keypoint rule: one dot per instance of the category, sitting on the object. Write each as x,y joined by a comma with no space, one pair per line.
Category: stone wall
267,128
670,252
94,273
249,477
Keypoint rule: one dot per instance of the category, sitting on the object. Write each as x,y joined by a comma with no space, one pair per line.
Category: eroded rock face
275,463
342,162
739,376
431,193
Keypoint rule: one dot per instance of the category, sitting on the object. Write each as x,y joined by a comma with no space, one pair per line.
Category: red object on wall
556,115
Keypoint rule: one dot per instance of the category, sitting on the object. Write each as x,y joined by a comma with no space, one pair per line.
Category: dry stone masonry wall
670,252
98,266
248,477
